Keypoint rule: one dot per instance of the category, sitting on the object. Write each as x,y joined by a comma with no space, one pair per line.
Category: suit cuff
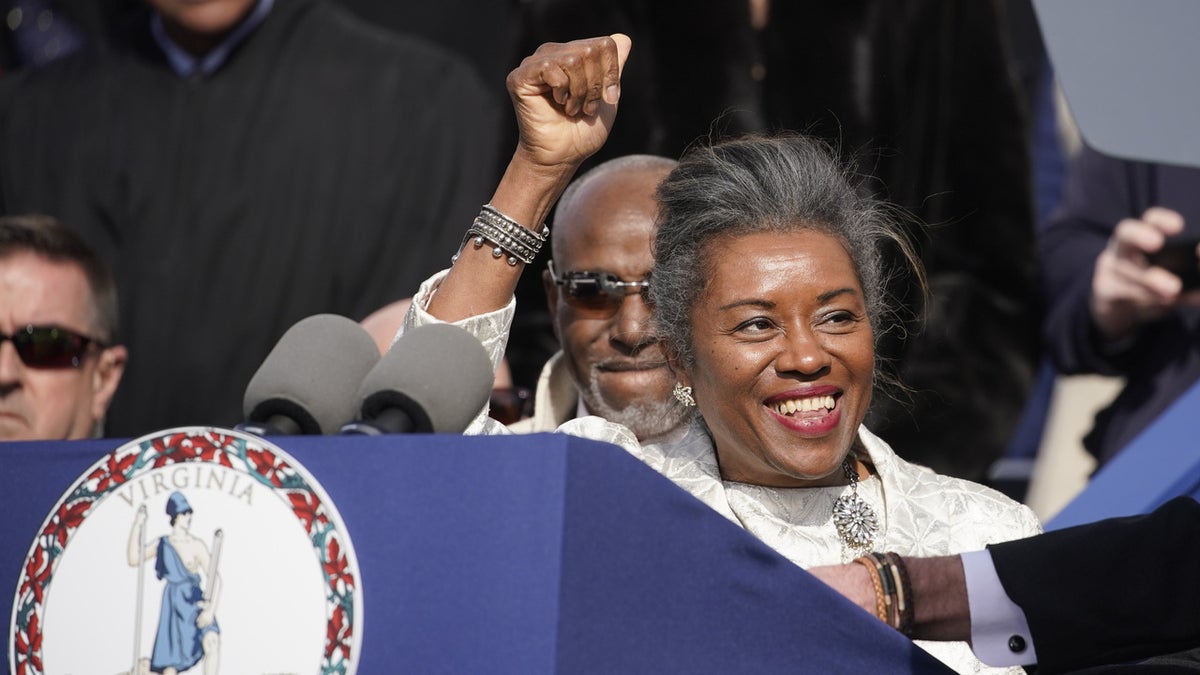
999,631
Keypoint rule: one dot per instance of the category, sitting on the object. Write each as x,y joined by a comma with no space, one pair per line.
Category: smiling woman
767,293
782,357
784,309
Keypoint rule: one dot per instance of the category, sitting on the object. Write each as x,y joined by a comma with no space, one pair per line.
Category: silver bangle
506,235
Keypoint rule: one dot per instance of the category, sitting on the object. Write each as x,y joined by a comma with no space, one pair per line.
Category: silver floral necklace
855,520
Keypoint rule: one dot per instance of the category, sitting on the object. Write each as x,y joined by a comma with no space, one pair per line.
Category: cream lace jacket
921,513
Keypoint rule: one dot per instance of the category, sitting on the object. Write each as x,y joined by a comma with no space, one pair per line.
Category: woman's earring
684,395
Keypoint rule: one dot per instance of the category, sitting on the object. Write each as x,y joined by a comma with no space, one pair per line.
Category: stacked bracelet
904,594
506,235
893,596
876,581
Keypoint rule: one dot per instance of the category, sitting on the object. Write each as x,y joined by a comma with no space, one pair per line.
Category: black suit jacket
1111,591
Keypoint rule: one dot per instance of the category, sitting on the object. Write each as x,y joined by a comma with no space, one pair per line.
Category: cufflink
1016,644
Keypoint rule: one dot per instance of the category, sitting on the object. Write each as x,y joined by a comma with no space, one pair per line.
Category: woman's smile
809,413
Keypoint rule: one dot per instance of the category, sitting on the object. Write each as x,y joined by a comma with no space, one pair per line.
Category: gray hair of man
47,237
769,184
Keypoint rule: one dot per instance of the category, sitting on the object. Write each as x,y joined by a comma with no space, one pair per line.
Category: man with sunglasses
611,363
59,367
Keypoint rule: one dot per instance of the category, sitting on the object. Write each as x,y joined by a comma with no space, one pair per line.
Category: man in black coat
242,164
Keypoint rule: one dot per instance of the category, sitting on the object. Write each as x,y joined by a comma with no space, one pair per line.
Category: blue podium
531,554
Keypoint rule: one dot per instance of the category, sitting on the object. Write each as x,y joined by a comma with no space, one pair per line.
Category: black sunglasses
50,346
595,293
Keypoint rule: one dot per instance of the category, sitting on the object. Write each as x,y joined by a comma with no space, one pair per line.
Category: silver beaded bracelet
506,235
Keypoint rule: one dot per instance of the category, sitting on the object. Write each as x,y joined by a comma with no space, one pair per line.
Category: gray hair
47,237
755,184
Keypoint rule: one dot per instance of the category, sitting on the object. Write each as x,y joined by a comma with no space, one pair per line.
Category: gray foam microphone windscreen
439,375
312,375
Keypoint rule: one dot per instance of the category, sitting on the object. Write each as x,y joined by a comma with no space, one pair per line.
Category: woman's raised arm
565,98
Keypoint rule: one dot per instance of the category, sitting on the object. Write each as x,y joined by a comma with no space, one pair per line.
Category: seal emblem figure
187,629
193,550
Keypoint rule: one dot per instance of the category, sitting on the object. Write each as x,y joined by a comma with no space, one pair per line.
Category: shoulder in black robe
326,167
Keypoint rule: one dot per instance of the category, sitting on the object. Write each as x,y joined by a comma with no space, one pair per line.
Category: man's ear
109,369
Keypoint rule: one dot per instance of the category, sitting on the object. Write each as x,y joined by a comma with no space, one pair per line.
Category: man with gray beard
611,363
